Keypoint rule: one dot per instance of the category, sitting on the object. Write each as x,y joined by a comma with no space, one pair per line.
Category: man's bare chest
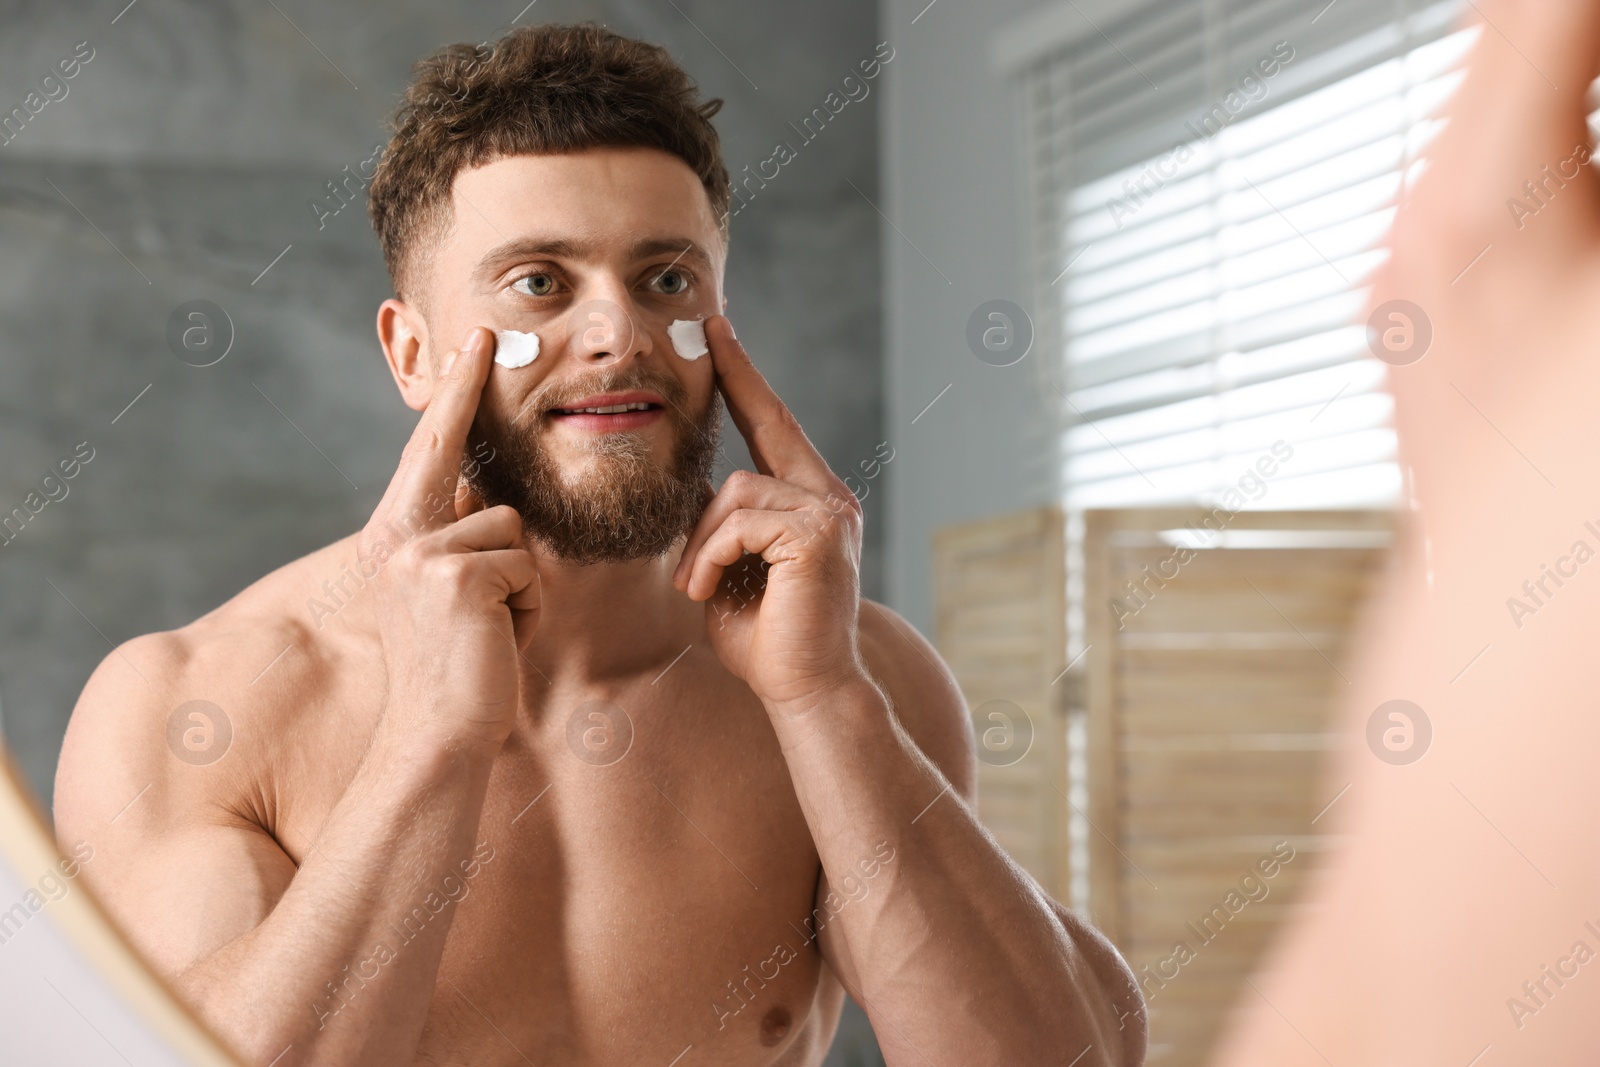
640,887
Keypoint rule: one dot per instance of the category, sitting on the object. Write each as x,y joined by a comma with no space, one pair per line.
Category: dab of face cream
688,338
515,349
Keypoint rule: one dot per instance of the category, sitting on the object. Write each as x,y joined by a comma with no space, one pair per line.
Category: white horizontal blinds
1216,234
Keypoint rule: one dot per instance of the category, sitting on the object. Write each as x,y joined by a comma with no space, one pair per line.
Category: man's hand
458,597
790,632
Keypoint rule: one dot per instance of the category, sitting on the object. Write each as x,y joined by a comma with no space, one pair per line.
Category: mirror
64,963
361,396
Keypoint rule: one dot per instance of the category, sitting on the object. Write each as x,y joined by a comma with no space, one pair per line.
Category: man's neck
611,620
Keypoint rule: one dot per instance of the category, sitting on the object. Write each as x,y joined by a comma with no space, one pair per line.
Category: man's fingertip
731,342
462,369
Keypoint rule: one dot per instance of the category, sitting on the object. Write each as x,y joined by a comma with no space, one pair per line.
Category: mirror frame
27,844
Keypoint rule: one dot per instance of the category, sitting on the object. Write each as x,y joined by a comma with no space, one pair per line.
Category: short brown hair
538,90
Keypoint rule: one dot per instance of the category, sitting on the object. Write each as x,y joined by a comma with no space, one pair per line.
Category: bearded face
603,440
615,500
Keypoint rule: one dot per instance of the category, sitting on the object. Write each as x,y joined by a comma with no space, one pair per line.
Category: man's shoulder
167,700
224,648
922,690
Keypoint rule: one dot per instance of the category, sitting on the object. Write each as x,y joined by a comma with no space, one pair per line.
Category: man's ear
404,337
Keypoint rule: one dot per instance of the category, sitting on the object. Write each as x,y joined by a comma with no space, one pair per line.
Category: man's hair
538,90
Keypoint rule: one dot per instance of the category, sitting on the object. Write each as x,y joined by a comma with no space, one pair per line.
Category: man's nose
604,331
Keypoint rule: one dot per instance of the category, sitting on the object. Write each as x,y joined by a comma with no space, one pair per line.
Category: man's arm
268,955
273,957
948,935
955,953
1445,925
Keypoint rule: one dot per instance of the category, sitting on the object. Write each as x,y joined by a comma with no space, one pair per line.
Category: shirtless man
552,772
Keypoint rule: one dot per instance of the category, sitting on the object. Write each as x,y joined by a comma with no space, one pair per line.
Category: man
1457,922
570,760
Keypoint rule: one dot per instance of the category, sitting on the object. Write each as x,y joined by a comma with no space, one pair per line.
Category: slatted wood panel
1209,704
1000,619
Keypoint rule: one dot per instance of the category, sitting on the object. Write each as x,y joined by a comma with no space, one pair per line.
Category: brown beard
630,507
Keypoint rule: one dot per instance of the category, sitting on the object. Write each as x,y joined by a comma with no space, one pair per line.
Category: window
1204,295
1211,183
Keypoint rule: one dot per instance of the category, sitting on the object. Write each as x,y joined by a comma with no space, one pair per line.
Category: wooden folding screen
1000,618
1211,680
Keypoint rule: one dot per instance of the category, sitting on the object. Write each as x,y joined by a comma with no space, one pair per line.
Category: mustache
526,419
570,392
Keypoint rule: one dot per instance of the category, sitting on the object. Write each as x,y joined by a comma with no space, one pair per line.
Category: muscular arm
954,951
250,942
322,958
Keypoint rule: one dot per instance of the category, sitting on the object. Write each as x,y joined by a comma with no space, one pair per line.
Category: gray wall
180,164
953,189
183,158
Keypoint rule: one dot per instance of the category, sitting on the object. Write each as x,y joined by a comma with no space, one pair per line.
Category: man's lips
610,411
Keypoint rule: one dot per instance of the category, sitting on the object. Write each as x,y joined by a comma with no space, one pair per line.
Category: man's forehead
631,190
599,203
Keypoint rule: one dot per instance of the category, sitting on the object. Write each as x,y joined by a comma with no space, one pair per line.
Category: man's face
596,252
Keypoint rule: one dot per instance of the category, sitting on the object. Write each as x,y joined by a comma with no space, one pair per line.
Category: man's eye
672,282
540,284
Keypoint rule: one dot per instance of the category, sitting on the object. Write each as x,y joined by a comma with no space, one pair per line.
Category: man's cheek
510,397
699,389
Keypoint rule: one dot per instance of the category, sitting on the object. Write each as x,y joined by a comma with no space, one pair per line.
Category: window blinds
1212,181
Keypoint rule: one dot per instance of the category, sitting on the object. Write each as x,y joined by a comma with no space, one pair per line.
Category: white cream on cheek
688,338
515,349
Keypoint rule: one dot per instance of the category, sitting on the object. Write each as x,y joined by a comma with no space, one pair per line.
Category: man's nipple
774,1025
